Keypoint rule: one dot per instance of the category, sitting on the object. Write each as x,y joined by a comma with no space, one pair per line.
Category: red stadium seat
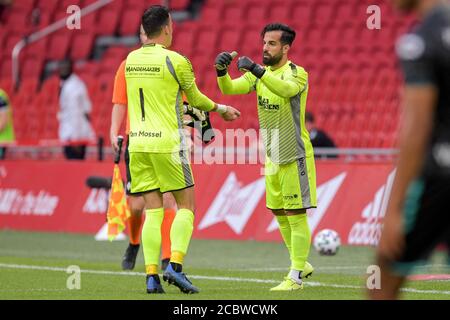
178,4
11,42
251,42
232,14
24,5
140,4
117,5
353,73
107,22
344,12
229,39
131,20
301,11
29,86
6,68
88,69
26,94
110,65
58,47
21,21
211,15
207,40
256,14
3,34
64,4
47,6
50,89
6,84
184,41
279,11
324,14
82,46
31,69
341,139
42,20
116,52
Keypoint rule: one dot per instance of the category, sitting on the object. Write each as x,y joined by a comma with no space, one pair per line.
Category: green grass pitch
33,266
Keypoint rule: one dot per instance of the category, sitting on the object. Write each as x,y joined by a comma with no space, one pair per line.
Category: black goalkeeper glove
247,64
201,122
223,61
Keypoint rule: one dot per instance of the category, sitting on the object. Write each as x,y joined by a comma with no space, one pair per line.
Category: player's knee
169,201
136,204
186,203
136,211
185,199
190,207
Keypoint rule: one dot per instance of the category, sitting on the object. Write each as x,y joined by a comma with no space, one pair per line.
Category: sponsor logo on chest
266,104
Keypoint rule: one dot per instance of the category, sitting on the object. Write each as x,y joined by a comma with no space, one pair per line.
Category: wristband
221,108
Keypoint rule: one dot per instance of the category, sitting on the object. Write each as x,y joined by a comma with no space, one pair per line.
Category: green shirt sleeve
291,85
186,78
241,85
198,99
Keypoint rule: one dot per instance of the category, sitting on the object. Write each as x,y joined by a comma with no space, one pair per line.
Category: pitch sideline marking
121,273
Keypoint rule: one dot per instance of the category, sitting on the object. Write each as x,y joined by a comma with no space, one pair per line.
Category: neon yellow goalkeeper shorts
291,186
160,171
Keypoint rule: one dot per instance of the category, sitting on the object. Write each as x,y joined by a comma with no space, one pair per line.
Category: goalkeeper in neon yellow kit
282,89
159,151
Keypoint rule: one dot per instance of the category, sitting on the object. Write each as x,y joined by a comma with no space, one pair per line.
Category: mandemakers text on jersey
146,134
144,68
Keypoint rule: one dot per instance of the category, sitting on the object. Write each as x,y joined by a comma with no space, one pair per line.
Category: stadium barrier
53,197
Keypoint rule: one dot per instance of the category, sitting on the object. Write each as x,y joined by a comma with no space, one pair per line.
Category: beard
272,60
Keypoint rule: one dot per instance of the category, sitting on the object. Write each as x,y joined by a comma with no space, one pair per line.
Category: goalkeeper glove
196,114
247,64
201,122
223,61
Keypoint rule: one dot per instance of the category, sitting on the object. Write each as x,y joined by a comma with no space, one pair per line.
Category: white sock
296,276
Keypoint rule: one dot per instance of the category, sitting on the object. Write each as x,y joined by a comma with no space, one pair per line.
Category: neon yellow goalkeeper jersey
281,119
155,78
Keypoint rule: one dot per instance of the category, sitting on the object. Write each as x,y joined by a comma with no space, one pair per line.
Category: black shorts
426,221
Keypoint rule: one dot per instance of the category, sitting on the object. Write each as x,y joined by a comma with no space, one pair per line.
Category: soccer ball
327,242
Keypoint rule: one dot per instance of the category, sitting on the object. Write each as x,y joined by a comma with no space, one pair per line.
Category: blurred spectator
75,129
194,7
319,138
6,123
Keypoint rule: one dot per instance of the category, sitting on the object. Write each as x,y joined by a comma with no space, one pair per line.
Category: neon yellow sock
177,257
285,230
300,240
151,237
181,231
151,269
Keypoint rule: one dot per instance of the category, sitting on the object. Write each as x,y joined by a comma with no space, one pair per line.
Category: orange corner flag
118,211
